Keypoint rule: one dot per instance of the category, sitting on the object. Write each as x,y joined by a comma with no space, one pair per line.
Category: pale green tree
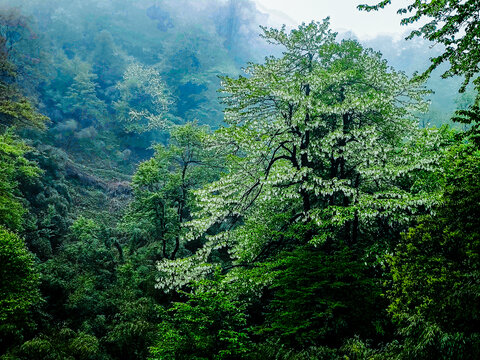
322,140
144,99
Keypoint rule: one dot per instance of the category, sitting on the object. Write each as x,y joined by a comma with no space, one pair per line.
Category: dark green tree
316,299
208,325
163,187
63,344
436,270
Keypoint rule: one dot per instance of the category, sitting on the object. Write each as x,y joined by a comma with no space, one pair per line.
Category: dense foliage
18,287
309,211
435,269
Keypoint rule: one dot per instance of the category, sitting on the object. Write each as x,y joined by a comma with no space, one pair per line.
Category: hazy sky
343,13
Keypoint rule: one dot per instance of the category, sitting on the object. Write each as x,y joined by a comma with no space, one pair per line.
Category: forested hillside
179,180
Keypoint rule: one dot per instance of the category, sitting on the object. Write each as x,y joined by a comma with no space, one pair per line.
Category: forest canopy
177,182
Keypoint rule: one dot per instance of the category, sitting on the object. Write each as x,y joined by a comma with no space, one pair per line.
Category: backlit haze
343,14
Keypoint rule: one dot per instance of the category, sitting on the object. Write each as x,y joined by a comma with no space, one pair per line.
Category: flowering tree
144,99
321,146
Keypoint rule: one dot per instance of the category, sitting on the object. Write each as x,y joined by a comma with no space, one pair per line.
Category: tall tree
322,140
163,188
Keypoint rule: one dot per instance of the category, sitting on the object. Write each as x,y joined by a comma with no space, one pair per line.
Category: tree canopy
308,211
322,139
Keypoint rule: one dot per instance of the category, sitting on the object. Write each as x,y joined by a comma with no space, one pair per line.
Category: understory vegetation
168,192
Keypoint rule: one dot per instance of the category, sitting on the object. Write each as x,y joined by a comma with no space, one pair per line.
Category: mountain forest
188,179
